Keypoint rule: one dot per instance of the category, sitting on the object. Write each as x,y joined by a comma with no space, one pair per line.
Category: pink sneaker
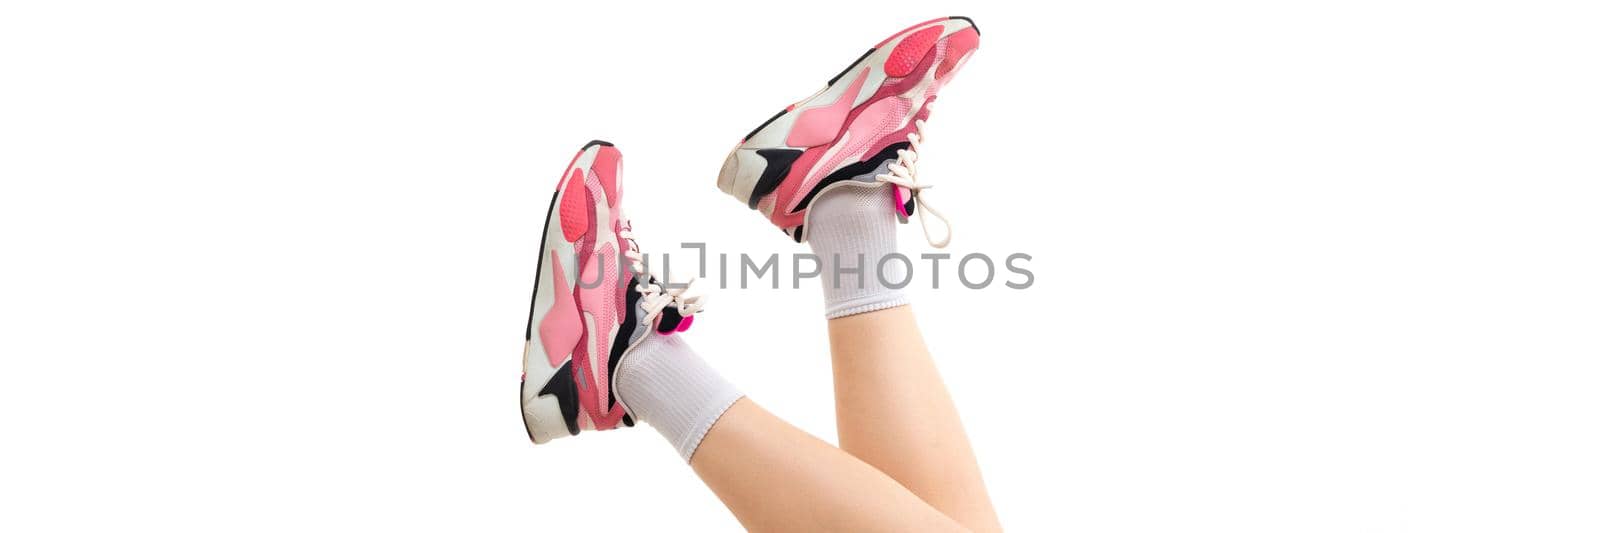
592,303
862,130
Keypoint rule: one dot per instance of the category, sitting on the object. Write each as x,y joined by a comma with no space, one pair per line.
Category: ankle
853,234
663,383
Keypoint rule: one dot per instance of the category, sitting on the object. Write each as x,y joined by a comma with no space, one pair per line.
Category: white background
1300,267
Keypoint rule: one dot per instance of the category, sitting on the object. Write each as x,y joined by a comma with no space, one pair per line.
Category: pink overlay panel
819,125
574,207
905,56
561,327
605,167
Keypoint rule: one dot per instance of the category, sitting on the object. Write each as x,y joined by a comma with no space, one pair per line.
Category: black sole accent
778,162
969,21
763,125
565,390
539,265
596,142
854,169
669,320
799,233
852,65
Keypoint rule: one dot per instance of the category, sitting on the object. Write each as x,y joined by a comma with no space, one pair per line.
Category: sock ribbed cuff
663,383
877,302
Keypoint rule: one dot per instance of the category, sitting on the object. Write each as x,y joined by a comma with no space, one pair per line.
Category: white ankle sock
854,228
663,383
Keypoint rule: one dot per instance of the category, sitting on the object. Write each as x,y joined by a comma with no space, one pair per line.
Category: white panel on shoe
751,165
546,421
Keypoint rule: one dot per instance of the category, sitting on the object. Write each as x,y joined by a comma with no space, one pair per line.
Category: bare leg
894,413
775,477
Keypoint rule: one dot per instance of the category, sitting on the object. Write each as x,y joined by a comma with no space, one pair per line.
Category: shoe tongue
905,203
669,320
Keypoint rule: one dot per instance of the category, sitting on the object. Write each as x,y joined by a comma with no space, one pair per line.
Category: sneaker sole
542,413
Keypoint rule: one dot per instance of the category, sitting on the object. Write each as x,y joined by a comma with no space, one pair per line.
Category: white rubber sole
542,414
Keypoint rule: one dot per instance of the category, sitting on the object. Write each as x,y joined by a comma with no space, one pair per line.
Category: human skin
903,461
894,413
775,477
